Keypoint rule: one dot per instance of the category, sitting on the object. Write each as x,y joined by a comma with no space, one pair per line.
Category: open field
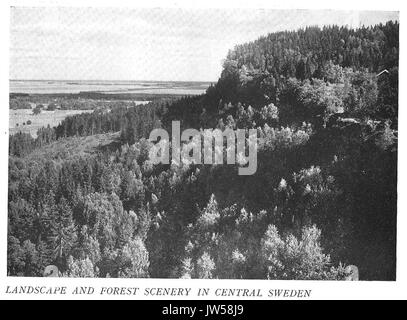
66,148
18,119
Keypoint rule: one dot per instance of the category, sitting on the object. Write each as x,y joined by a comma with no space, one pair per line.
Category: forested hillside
324,196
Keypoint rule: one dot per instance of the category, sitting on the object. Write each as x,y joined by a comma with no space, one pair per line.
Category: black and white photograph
202,143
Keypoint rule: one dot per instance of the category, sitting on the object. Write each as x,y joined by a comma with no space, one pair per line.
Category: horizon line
113,80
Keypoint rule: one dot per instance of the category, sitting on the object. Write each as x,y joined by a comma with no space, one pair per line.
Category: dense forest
324,196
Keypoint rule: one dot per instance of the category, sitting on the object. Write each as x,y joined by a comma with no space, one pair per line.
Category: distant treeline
86,99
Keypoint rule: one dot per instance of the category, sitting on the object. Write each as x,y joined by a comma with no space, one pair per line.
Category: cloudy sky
147,44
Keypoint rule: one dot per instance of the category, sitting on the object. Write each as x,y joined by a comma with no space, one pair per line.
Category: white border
320,289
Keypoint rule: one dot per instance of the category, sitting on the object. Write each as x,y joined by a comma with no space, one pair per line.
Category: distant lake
116,87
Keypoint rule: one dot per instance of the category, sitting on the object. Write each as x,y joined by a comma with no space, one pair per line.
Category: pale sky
148,44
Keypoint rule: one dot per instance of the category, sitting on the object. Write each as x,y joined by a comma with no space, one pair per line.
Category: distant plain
48,88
